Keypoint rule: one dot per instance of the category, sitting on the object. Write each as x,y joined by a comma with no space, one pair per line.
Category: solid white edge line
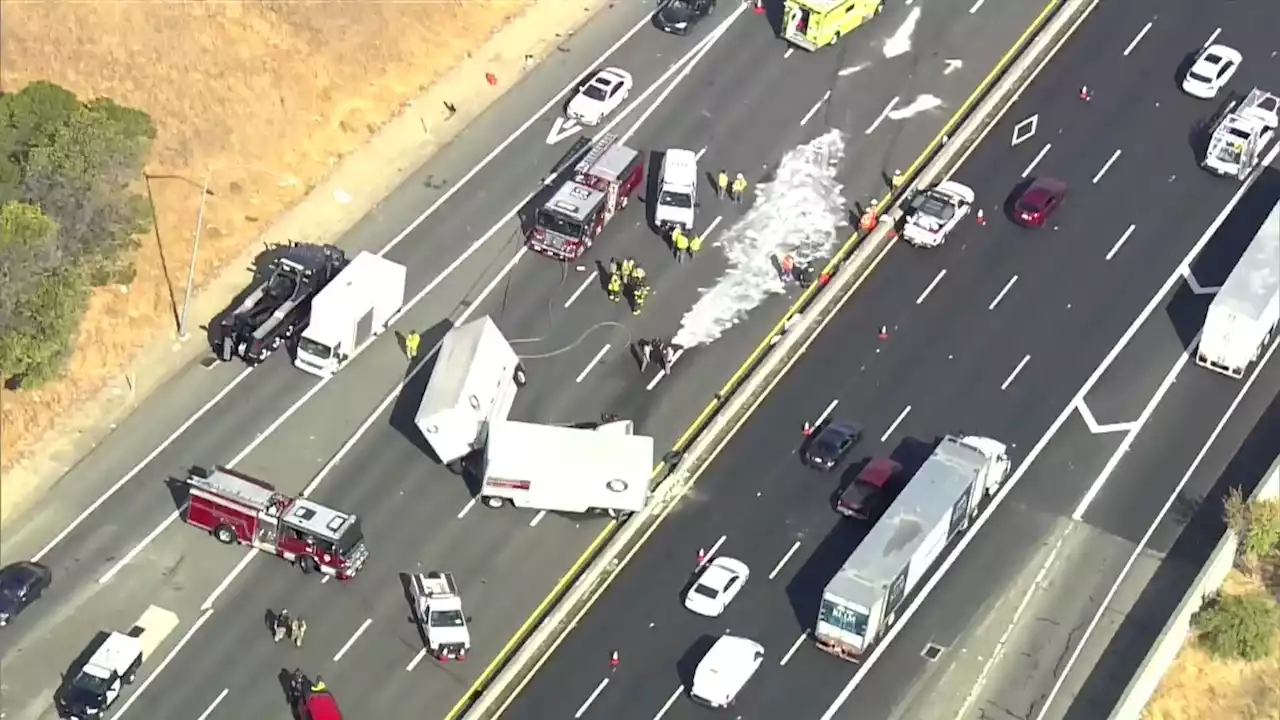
111,491
1146,537
352,641
129,701
1156,300
214,705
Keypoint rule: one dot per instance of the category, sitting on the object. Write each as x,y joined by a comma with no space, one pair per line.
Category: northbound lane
997,345
416,515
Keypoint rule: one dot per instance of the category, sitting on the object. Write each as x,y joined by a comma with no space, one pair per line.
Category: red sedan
1041,198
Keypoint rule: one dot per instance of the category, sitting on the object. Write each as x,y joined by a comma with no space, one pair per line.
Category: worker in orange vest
786,268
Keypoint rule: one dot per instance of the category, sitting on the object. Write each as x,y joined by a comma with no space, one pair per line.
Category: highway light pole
195,249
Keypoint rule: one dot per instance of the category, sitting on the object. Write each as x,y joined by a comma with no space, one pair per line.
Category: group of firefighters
626,277
284,626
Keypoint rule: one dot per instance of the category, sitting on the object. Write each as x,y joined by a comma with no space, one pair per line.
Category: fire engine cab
601,184
240,509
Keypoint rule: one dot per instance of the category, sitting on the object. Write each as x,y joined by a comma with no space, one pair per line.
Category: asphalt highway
110,531
995,333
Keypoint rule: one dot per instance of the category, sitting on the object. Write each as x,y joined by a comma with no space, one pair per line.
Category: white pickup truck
437,608
98,683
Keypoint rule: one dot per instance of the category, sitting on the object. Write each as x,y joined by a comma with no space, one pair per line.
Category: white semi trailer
1243,315
862,601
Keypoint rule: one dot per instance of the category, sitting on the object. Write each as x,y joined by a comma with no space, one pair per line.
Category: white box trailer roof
355,305
936,504
1244,312
565,469
473,383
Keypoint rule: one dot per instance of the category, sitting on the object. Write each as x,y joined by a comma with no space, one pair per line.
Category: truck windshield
89,690
314,349
843,617
446,618
675,199
552,222
353,536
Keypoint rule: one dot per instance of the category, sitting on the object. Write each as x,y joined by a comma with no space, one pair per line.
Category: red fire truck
602,183
239,509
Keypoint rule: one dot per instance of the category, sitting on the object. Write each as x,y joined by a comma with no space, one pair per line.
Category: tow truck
237,508
598,190
279,307
1241,134
92,689
933,213
437,608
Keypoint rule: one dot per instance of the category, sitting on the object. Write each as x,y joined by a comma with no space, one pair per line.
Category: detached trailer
566,469
861,602
473,384
354,306
1242,317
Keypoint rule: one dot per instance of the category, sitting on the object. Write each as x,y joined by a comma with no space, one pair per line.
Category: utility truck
567,469
602,182
1243,316
472,385
96,685
279,307
437,608
812,24
354,307
677,191
1241,134
238,509
862,601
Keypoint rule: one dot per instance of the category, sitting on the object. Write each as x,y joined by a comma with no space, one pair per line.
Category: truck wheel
130,676
520,377
307,565
494,502
457,467
275,343
224,534
835,38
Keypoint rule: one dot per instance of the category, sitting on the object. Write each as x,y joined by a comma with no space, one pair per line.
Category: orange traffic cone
491,78
824,278
1085,95
982,218
884,332
613,659
759,7
807,430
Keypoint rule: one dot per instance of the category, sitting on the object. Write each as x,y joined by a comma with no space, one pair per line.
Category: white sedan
717,586
1211,71
606,90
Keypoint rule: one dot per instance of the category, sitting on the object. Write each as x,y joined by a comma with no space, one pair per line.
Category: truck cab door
267,536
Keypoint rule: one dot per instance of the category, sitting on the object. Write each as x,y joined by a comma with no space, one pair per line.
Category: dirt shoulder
301,117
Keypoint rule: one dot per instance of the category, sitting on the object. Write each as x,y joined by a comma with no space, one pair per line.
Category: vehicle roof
25,571
350,290
1255,280
517,450
839,428
575,201
610,76
469,357
878,471
726,660
319,520
721,569
822,6
927,500
1041,189
236,486
322,706
1220,53
115,653
680,167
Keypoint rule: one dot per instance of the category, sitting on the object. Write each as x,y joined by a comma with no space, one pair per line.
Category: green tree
1239,627
29,116
1256,523
41,298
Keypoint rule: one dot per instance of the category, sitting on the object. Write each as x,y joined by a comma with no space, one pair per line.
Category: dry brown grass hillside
270,94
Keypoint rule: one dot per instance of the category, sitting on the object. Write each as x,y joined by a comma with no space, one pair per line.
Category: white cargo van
355,306
725,670
677,190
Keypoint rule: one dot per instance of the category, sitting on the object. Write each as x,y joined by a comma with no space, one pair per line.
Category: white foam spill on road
923,103
899,43
796,214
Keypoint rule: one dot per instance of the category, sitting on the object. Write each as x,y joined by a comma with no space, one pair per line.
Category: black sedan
831,444
679,16
20,585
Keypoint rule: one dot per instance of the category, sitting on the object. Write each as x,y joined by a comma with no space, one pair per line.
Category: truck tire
520,376
457,467
225,534
494,502
307,565
130,676
275,343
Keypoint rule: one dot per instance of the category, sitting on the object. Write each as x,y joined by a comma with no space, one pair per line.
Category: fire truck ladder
603,143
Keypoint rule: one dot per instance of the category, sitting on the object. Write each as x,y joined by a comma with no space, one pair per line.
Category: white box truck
473,384
354,306
1242,317
91,690
567,469
861,602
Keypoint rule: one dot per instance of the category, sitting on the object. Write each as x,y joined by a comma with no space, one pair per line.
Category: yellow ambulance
811,24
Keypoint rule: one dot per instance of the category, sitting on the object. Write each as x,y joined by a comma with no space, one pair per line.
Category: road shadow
285,678
406,584
1201,526
774,13
688,662
652,187
417,375
804,591
1201,131
180,491
1011,200
164,260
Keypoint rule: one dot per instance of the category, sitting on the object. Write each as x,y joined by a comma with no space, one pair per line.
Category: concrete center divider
781,349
